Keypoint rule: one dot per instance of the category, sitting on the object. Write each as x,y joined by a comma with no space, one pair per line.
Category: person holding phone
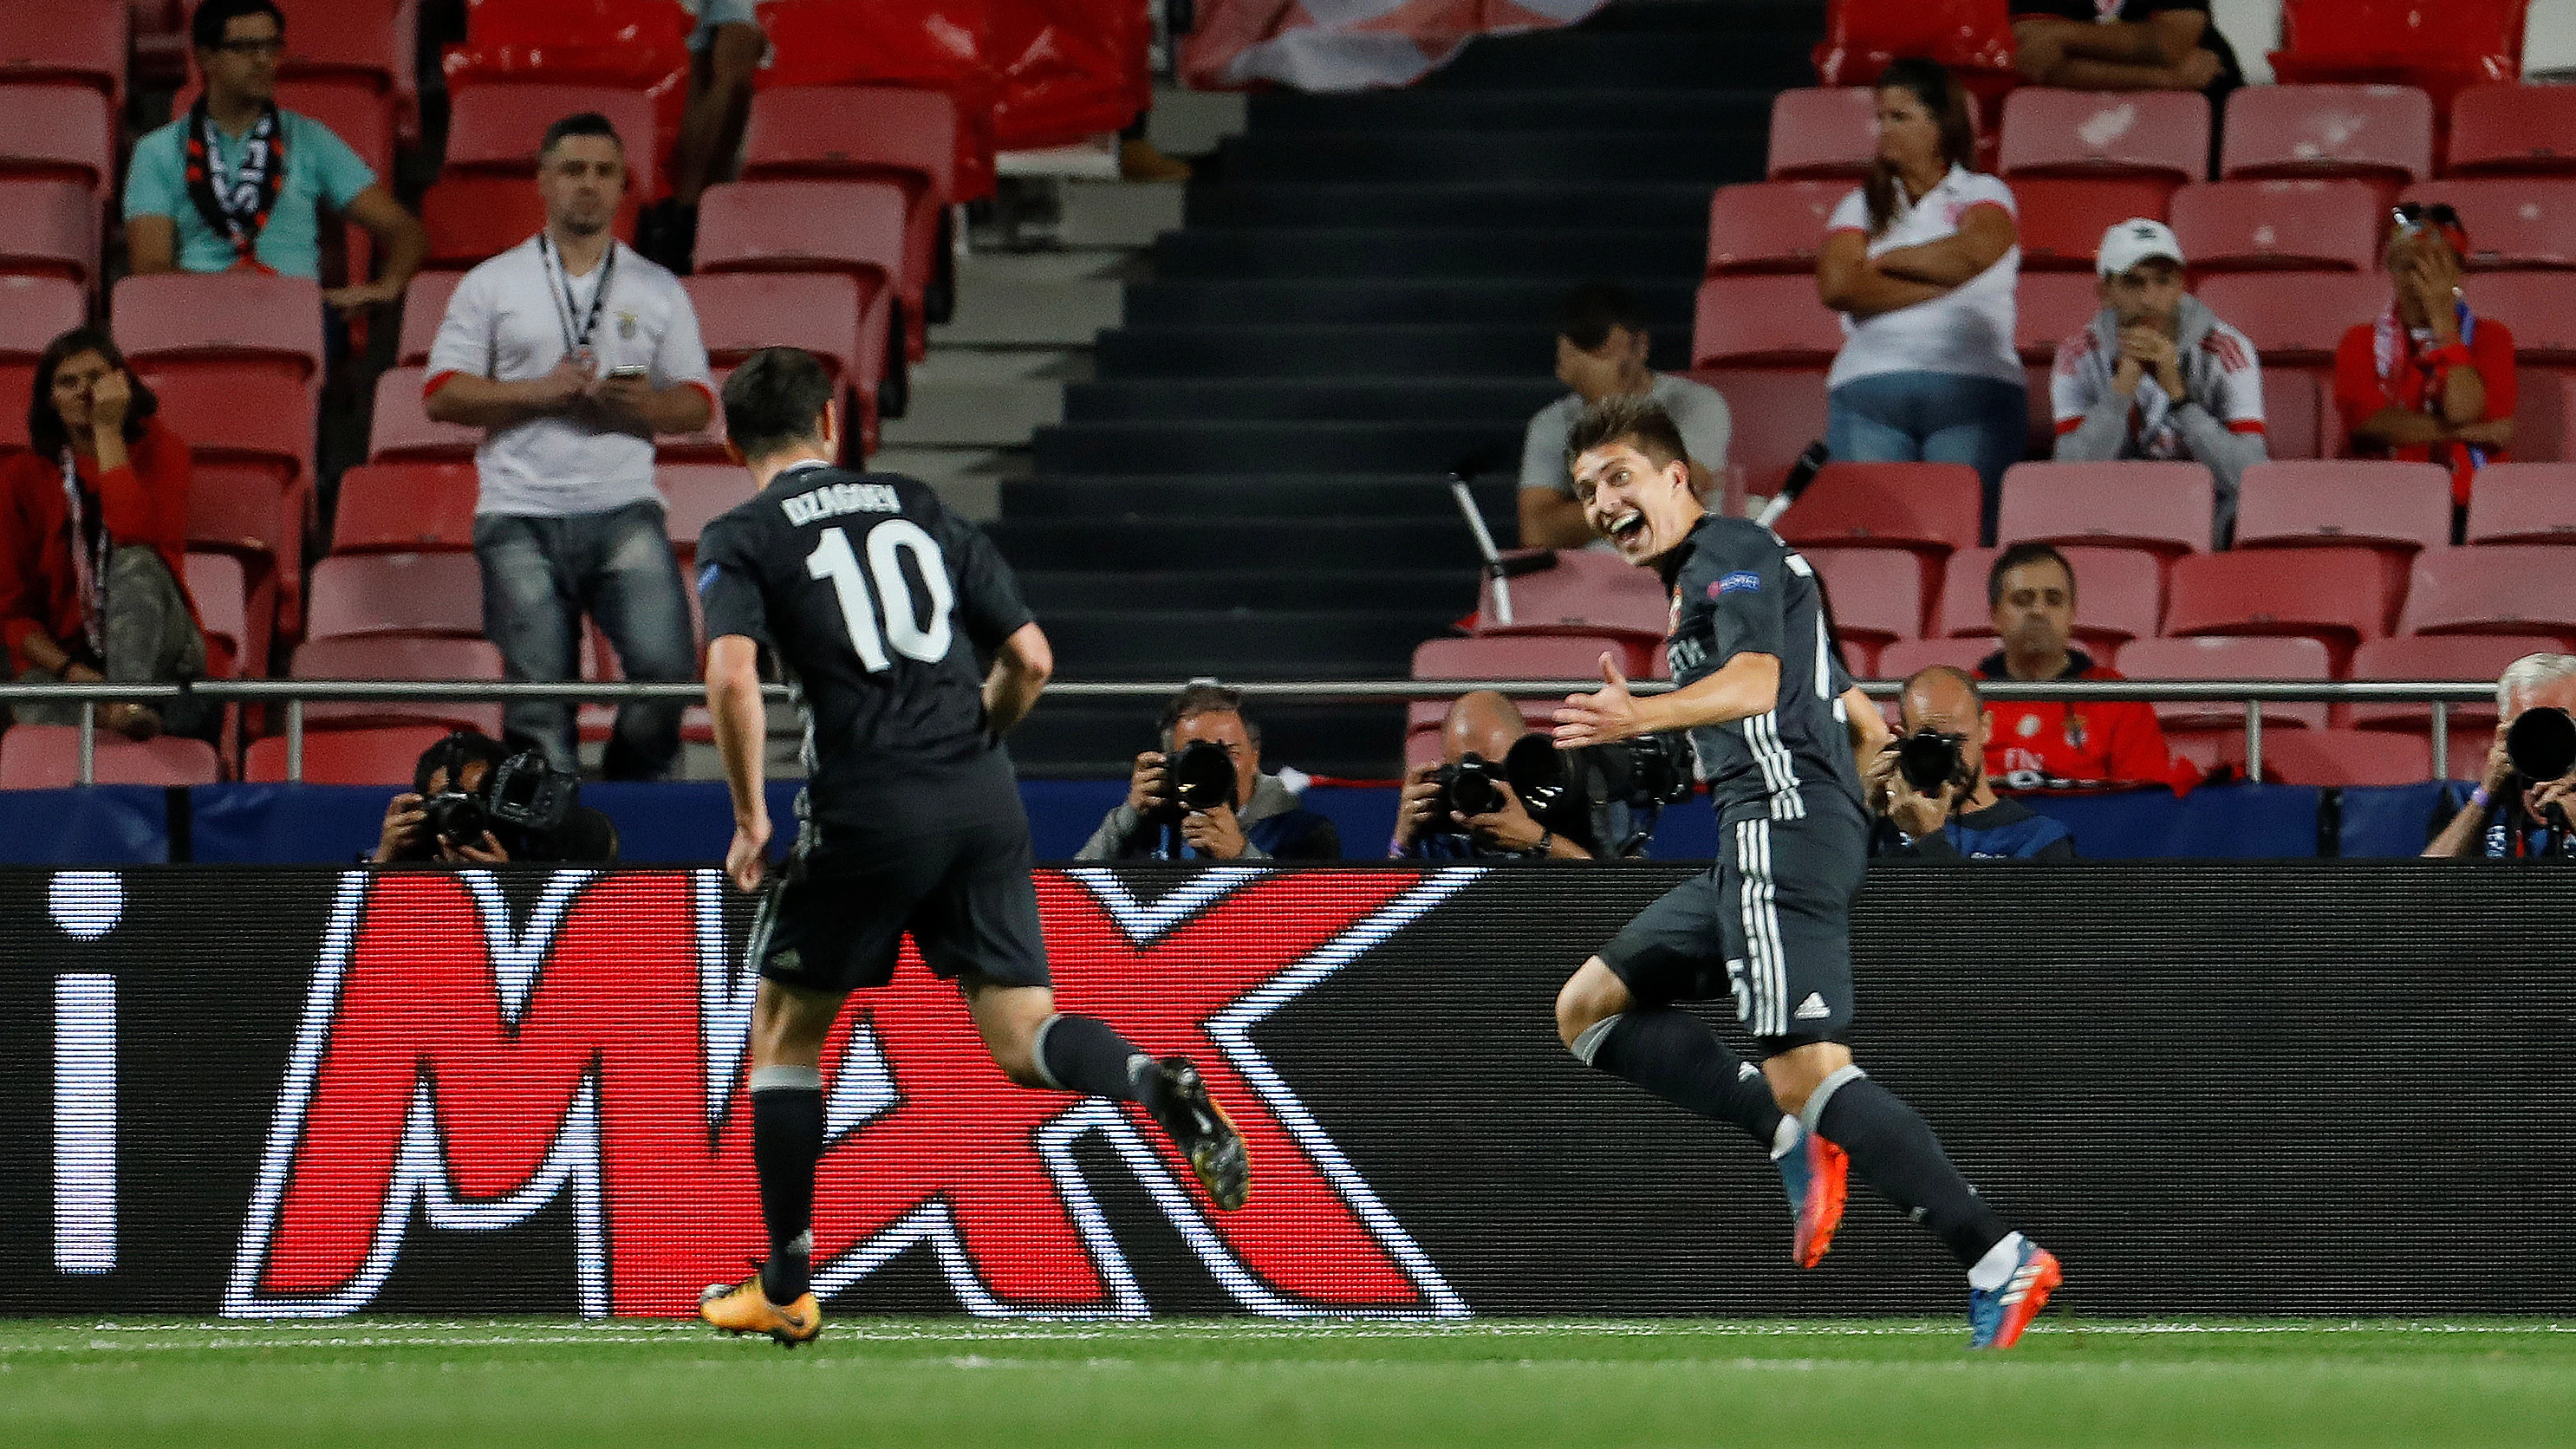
572,352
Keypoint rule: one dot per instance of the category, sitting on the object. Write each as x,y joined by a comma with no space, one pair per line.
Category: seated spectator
2124,45
725,47
1484,724
2430,380
571,352
1964,818
423,825
2156,374
1922,261
93,543
236,181
2047,745
1601,352
2508,817
1260,820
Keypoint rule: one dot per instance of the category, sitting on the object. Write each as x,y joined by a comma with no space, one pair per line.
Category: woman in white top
1921,261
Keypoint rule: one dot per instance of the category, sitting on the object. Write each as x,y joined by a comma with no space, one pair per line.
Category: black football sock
786,1139
1674,1055
1893,1149
1083,1054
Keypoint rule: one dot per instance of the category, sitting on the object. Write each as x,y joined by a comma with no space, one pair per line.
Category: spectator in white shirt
2156,375
571,352
1601,343
1922,261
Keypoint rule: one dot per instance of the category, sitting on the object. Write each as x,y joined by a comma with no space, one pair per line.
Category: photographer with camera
1203,796
1501,790
1928,792
2521,806
477,801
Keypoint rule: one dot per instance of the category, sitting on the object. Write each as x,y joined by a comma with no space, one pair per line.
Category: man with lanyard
235,182
2430,381
571,352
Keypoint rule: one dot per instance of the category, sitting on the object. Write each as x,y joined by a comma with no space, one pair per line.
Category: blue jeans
1932,417
540,575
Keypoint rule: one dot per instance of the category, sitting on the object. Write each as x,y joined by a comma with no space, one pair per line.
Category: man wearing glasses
2430,381
235,181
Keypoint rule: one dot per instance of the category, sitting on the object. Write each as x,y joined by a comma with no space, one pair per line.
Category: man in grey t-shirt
1600,353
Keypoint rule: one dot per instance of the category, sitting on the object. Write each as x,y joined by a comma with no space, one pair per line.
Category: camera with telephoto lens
524,794
1473,786
2541,745
1931,759
1200,776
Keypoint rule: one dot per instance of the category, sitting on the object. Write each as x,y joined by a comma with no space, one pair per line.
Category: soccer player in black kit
1772,719
876,602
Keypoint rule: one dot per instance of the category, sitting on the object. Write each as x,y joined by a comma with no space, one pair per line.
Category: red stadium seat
1904,658
1929,506
2062,219
2296,318
1770,226
33,312
1823,133
2498,588
251,437
2544,418
2377,133
1765,321
2393,509
220,589
2479,657
46,42
405,508
2505,128
707,445
2163,134
1525,656
2336,757
2291,415
47,757
2336,596
2513,222
2540,307
17,390
396,593
1587,592
58,133
233,322
853,228
740,313
2163,508
2254,226
2119,596
2052,306
2524,503
888,133
1776,414
48,229
1876,598
424,307
401,429
2229,657
399,657
346,757
471,219
695,495
494,127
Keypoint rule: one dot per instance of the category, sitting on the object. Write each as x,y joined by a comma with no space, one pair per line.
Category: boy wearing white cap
2155,374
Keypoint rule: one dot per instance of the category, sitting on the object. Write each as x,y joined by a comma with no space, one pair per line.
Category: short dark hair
775,400
1207,697
1585,315
452,754
1633,418
2017,556
46,436
206,28
580,123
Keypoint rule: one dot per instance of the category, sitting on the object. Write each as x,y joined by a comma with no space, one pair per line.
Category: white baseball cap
2133,241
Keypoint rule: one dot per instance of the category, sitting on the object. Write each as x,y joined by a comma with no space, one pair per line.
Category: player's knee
1589,997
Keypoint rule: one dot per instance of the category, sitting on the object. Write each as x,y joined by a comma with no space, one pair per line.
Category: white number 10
833,559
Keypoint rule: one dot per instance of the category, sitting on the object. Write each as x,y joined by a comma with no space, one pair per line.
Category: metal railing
294,694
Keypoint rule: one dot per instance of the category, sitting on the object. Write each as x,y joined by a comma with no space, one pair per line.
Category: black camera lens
455,817
1930,759
1200,777
2541,743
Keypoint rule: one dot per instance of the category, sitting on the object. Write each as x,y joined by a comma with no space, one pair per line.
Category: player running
875,600
1766,704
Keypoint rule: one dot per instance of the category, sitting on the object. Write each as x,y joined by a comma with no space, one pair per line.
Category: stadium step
1238,644
1408,301
1143,498
1394,400
1176,447
1050,592
1235,541
1483,155
1099,739
1450,204
1574,254
1522,351
1778,56
1434,109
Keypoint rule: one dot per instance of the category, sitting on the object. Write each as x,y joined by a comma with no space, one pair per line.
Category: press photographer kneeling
2521,806
1203,796
477,801
1504,791
1928,789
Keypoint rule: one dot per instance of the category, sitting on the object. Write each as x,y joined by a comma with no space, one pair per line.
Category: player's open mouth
1628,528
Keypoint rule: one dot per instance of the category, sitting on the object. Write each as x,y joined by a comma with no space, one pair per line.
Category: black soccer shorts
1769,924
837,916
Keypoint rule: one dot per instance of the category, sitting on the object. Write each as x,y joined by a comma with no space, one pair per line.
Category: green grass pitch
628,1384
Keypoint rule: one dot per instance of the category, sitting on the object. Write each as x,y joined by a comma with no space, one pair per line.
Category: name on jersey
834,499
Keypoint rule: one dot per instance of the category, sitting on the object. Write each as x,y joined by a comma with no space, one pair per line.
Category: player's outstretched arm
1021,668
1748,684
741,725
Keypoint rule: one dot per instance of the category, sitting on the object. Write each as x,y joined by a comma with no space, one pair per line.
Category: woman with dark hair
1921,261
93,535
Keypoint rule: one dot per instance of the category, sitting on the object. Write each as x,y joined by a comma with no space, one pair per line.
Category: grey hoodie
2219,422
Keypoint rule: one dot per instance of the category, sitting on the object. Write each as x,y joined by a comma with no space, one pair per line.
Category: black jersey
1737,589
876,600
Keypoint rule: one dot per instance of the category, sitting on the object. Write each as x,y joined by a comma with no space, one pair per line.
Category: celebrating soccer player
875,598
1770,715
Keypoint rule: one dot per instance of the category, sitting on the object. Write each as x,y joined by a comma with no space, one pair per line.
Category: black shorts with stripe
837,916
1769,925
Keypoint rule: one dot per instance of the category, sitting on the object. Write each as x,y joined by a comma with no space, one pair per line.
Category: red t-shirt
2038,743
2360,392
144,502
